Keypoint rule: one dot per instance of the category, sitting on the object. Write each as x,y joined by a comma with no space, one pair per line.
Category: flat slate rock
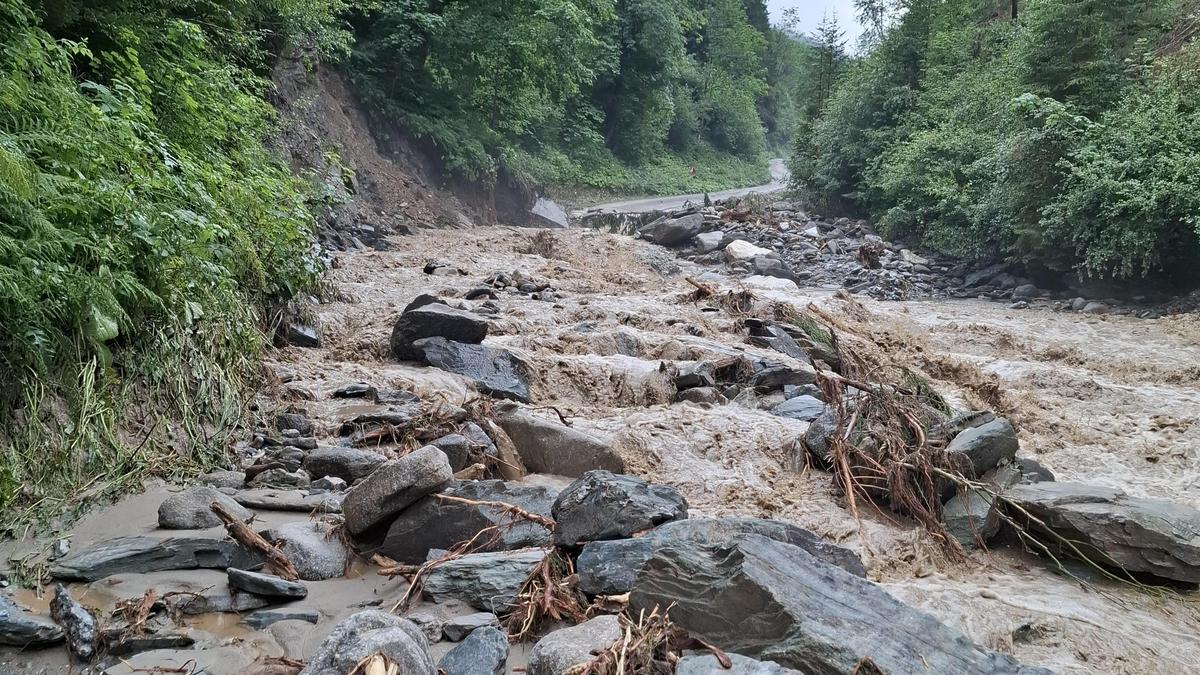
266,585
1143,536
432,523
604,505
270,499
803,408
773,601
461,626
265,618
142,554
611,567
435,320
21,628
393,487
496,372
483,652
485,581
986,445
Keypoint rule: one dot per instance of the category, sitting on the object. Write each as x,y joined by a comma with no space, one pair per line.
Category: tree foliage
1063,137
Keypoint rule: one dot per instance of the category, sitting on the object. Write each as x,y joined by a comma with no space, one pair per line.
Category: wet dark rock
281,478
772,601
1032,471
674,231
483,652
708,242
708,395
327,484
556,653
1144,536
816,438
317,552
78,625
266,585
1025,292
393,487
476,293
611,567
986,445
302,335
775,378
457,449
263,619
497,372
435,320
792,391
604,505
460,627
971,518
127,645
704,663
396,416
695,374
432,523
367,633
285,421
802,408
486,581
547,446
355,390
191,509
349,464
21,628
135,555
422,300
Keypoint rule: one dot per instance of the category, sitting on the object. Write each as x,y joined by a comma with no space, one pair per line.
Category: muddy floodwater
1103,399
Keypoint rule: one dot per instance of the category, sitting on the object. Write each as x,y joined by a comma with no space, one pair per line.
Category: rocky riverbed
651,435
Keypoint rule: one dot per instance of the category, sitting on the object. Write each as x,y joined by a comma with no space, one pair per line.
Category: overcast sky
811,12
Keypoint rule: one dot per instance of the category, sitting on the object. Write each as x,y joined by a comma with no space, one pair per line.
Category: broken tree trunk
244,534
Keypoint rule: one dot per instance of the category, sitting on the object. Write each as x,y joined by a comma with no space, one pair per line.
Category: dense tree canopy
1065,136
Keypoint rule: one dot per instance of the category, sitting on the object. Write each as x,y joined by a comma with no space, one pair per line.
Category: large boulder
496,372
485,581
349,464
316,551
772,601
818,436
138,555
393,487
192,509
1142,536
604,505
550,447
704,663
611,567
21,628
800,408
483,652
986,445
739,250
435,320
369,633
556,653
433,523
674,231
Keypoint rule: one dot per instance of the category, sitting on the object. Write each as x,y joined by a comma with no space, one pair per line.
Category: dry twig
244,534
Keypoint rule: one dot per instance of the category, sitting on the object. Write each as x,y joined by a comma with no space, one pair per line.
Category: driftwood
473,472
244,534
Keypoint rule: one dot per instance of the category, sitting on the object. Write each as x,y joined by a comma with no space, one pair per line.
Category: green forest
1062,134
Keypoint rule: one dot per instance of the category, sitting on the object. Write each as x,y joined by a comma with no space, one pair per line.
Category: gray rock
486,581
611,567
704,663
460,627
215,601
349,464
559,651
21,628
707,395
302,335
368,633
430,624
435,320
772,601
483,652
674,231
802,408
695,374
282,478
457,449
268,499
496,372
549,447
135,555
266,585
79,626
816,438
191,509
772,267
777,377
986,445
547,213
297,421
710,241
1143,536
265,618
224,479
393,487
1025,292
327,484
355,390
432,523
1032,471
1095,308
604,505
971,518
1078,304
317,552
792,391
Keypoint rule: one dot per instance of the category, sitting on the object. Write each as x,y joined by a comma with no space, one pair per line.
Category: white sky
812,11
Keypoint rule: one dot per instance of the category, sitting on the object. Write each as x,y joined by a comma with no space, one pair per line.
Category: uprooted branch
547,596
244,534
648,644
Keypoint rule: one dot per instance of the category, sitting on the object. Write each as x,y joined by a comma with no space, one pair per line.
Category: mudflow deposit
741,441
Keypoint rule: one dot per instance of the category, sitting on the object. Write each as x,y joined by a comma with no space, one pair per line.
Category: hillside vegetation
1064,137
